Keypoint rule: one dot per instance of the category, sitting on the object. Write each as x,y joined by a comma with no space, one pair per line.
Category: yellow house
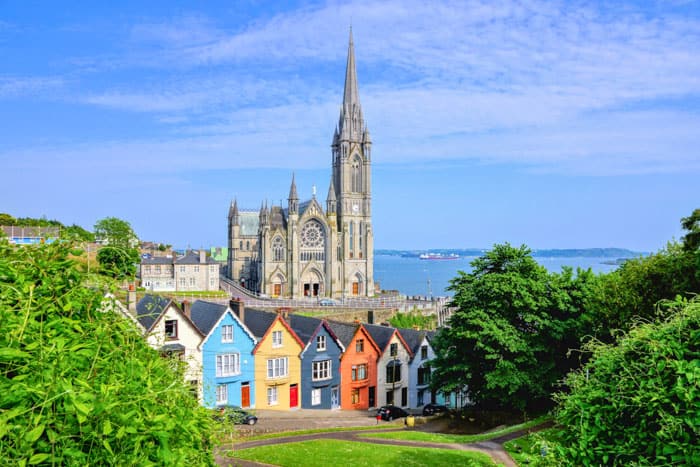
277,361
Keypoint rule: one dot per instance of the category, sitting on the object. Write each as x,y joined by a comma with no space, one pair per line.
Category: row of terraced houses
252,358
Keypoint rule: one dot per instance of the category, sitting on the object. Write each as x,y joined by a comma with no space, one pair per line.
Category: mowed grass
413,435
324,452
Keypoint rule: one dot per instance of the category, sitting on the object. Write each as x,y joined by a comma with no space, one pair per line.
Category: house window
276,338
182,268
171,329
227,333
272,395
212,268
212,282
355,396
359,372
316,396
320,342
157,268
182,281
424,352
393,372
420,397
321,370
221,394
277,367
191,280
196,269
423,375
394,350
228,364
360,345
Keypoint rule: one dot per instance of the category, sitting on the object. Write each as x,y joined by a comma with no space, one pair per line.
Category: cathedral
306,249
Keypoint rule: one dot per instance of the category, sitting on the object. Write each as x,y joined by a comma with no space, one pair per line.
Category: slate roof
149,309
258,321
249,222
412,338
344,331
157,260
303,326
192,257
277,218
381,335
205,315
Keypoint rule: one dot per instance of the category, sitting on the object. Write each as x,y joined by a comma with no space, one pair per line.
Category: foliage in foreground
79,386
637,402
351,453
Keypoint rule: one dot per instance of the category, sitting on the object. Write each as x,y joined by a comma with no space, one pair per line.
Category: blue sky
554,124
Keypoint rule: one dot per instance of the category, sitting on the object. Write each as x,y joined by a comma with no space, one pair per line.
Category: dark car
432,409
236,415
390,412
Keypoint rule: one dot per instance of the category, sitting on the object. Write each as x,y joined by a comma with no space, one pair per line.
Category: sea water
413,276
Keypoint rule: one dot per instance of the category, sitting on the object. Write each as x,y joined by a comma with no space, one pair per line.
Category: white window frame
228,364
227,333
277,368
221,394
276,339
316,396
272,395
321,370
320,343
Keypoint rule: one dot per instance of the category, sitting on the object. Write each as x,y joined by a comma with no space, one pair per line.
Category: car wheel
252,421
391,418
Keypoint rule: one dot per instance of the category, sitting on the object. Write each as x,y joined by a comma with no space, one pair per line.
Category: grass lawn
525,450
413,435
348,453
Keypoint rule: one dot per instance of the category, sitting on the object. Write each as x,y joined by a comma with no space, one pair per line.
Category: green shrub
637,402
79,386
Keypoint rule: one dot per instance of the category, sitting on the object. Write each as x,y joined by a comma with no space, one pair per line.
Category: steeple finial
293,189
351,95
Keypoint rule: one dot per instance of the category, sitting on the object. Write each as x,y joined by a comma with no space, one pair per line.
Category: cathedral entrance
312,284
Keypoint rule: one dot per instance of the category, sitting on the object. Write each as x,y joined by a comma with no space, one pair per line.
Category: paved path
492,448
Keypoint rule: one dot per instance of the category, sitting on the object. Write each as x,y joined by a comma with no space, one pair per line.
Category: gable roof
149,309
383,334
413,338
258,321
344,331
205,315
304,326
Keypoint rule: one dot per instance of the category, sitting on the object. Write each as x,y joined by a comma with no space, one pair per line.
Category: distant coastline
617,254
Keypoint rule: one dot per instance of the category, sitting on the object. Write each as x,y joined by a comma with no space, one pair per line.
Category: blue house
320,362
228,370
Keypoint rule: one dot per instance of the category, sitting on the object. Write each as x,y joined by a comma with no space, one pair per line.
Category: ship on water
438,256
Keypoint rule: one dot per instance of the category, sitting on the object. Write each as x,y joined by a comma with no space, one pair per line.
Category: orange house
358,366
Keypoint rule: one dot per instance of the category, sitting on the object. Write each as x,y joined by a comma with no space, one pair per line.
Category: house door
404,397
245,395
293,395
372,402
335,400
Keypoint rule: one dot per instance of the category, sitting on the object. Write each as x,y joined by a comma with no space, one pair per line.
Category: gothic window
360,237
351,238
277,249
313,241
356,175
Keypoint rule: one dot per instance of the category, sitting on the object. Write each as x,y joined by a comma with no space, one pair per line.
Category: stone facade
194,271
304,250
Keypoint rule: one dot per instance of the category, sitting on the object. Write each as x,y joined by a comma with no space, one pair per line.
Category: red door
245,395
293,395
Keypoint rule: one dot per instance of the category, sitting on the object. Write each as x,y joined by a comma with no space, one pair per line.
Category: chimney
202,256
283,311
131,299
238,307
187,308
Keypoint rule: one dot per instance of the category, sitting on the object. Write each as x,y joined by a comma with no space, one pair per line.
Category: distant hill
71,231
616,253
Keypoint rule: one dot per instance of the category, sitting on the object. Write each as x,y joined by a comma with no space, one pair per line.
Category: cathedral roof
278,218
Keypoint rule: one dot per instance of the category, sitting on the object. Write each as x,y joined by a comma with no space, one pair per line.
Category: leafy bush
78,385
637,402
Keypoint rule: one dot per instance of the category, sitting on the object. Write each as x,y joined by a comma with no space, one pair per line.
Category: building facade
193,271
305,249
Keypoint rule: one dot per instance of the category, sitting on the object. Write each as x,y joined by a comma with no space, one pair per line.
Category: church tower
351,154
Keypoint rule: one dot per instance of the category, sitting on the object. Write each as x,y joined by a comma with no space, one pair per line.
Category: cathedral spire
331,199
293,200
351,96
233,212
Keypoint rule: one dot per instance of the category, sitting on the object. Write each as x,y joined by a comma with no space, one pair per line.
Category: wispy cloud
15,86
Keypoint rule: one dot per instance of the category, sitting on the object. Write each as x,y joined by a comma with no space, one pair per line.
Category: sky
551,124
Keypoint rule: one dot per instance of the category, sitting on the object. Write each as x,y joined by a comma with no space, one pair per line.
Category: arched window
277,249
360,236
313,241
356,175
351,238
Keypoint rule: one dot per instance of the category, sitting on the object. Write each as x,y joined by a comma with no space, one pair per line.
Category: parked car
235,415
327,302
432,409
390,412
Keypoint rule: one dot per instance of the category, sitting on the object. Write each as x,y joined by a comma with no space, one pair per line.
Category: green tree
507,341
119,256
691,224
636,402
78,384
